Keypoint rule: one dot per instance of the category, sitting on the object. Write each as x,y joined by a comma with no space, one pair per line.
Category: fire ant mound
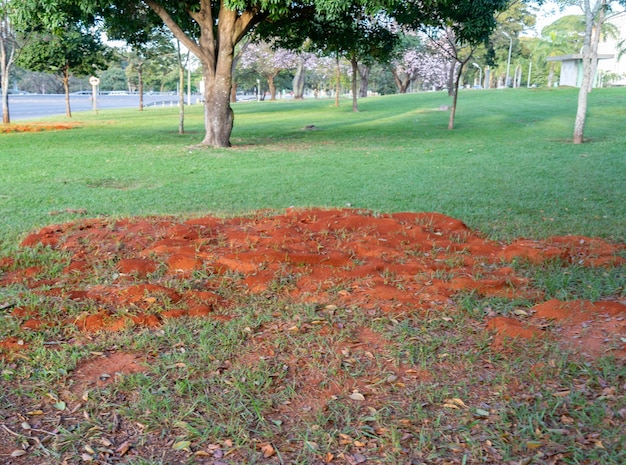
143,271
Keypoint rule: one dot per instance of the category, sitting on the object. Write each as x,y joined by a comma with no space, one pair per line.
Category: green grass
508,169
224,390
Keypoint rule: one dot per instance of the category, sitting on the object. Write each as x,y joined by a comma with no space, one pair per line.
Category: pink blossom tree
420,65
268,62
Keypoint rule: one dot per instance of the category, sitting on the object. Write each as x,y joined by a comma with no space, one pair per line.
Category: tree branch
175,28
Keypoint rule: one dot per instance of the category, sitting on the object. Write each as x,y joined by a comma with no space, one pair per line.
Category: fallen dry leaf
123,448
357,396
267,450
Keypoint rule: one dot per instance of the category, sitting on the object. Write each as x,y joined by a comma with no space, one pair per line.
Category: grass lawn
316,337
508,169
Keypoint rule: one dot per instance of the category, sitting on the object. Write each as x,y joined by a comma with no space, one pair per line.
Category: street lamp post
508,63
480,75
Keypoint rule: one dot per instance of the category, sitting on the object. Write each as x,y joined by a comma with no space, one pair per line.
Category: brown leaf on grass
355,459
357,396
267,450
123,448
455,403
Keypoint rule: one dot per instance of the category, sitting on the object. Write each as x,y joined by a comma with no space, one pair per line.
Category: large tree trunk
215,50
355,71
364,73
298,81
218,115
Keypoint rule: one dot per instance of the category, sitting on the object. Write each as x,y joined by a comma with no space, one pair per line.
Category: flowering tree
268,62
306,61
423,65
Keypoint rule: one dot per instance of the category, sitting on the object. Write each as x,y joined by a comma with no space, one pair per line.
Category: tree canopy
72,52
211,29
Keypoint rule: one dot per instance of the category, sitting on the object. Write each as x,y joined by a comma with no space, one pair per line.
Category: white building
572,69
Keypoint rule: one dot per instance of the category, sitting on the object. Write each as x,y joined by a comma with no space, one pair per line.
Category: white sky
549,13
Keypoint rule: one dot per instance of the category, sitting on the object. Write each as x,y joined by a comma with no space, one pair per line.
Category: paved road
23,107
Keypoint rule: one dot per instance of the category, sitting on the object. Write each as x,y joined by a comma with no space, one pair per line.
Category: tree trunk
218,115
338,85
355,71
587,60
551,74
181,93
453,80
401,84
595,42
7,55
457,79
364,73
140,77
6,119
5,65
215,49
233,92
181,101
272,87
66,88
298,81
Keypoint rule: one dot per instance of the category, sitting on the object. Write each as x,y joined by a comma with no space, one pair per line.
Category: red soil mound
404,262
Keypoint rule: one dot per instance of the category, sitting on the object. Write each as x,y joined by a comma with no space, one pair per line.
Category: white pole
508,63
480,74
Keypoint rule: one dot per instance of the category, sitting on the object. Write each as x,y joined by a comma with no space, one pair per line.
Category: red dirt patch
399,263
103,370
36,127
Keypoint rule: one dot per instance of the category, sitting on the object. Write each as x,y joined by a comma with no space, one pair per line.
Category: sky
549,12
